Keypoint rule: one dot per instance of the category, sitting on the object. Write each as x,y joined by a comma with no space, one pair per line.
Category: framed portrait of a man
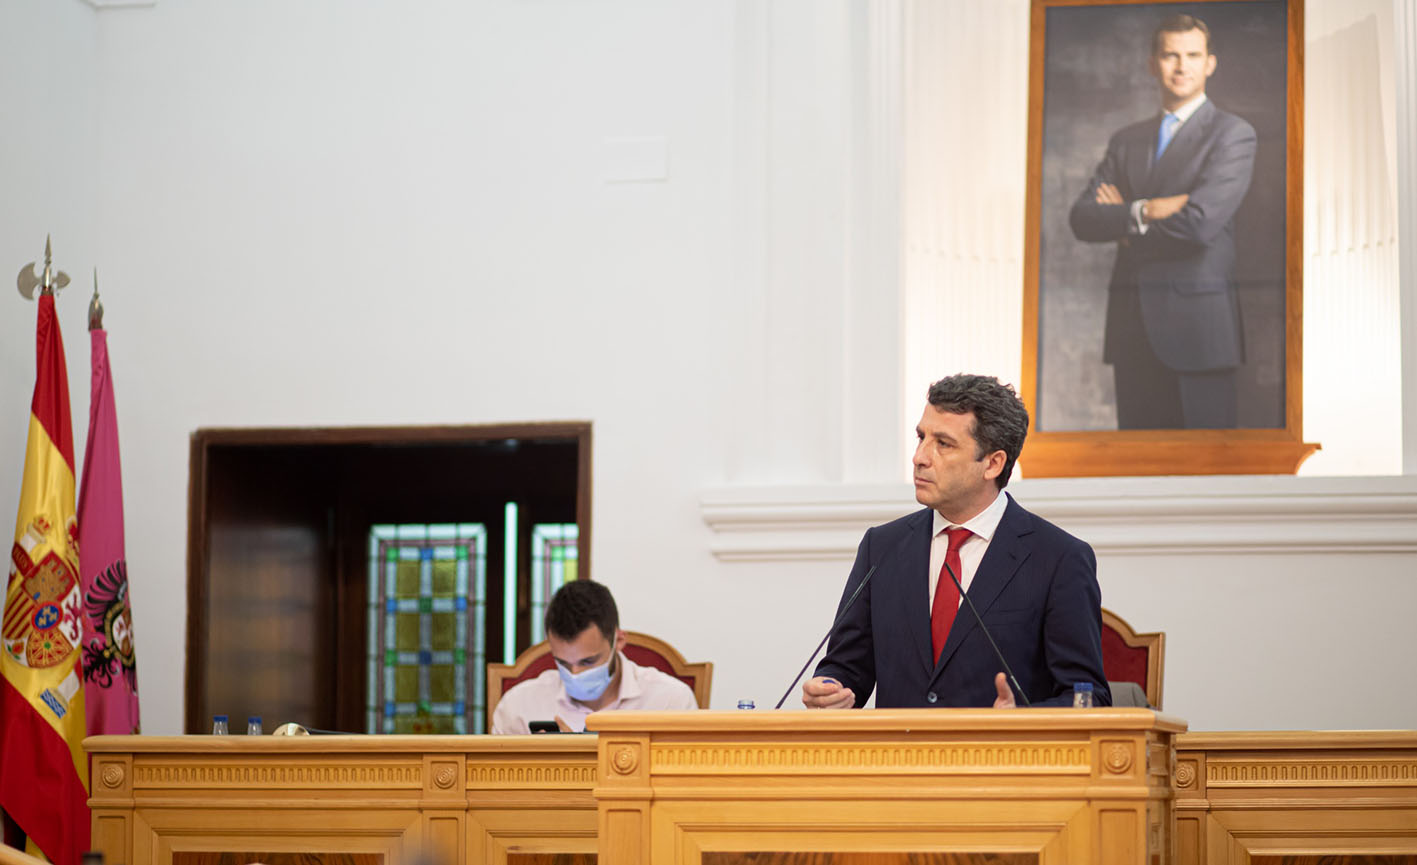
1163,261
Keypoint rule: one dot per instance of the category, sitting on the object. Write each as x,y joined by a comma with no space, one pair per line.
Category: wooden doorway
279,524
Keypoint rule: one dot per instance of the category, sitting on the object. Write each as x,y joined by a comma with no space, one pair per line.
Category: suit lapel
1139,160
1007,552
913,560
1192,134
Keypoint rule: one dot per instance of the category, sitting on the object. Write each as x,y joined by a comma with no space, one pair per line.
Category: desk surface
903,720
341,743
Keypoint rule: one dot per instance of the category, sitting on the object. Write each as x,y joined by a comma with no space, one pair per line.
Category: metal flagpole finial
51,281
95,306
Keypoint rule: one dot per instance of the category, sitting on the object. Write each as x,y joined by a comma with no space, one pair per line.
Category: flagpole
110,663
43,768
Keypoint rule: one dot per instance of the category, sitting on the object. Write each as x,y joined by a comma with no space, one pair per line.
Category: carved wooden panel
804,858
1331,859
1336,860
245,773
229,858
1311,772
987,758
530,774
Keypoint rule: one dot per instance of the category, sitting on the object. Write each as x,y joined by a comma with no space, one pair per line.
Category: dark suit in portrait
1036,589
1173,331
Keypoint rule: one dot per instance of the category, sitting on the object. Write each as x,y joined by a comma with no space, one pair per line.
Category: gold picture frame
1089,76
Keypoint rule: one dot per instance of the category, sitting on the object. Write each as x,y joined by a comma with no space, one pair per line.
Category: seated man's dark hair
1000,419
578,605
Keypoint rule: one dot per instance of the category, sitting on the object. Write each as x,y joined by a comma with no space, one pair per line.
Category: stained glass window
554,558
427,624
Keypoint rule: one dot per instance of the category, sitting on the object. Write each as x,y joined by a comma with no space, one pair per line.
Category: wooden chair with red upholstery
1131,657
643,649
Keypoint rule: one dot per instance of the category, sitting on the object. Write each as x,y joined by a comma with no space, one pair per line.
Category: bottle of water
746,704
219,725
1082,695
253,725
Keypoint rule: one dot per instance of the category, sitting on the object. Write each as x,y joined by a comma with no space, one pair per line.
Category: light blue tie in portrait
1169,122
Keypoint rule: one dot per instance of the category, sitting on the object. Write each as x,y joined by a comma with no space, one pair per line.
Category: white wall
48,185
327,213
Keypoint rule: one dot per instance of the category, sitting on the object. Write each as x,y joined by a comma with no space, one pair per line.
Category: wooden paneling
799,858
1297,798
342,800
229,858
1361,859
1053,786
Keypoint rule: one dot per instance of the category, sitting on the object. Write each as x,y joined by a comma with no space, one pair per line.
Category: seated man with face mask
592,674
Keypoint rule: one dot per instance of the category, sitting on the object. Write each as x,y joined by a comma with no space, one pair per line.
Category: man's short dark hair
1179,24
578,605
1000,419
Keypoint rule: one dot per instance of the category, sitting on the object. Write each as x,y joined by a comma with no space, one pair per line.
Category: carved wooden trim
296,775
1160,761
112,776
957,759
1185,774
1116,757
1312,773
444,775
624,761
524,775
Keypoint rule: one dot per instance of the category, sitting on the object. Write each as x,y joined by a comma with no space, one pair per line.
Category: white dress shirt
983,525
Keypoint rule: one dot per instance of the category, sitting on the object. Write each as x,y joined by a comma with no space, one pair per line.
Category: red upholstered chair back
1131,657
643,649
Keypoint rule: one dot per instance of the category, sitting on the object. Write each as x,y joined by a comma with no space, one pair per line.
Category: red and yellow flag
43,770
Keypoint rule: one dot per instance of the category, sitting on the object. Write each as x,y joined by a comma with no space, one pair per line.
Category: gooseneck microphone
987,635
839,616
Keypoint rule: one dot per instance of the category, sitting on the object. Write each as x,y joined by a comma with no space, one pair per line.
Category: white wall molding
1169,516
120,4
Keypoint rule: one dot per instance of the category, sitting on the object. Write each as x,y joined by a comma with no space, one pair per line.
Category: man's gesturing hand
825,693
1005,698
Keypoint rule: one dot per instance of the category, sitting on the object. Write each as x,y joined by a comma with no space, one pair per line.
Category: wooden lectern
1006,787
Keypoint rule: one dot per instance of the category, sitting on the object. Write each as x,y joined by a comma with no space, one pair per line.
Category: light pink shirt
971,552
544,698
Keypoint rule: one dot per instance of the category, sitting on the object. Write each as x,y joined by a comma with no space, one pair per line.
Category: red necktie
942,612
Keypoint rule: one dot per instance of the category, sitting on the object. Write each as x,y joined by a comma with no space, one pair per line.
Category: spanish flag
43,770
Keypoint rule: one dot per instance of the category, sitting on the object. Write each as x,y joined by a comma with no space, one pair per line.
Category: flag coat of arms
43,769
110,666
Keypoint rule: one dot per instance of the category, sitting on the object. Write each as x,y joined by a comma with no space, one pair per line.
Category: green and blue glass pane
427,609
554,557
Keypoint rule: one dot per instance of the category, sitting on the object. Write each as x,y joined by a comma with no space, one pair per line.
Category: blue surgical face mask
587,685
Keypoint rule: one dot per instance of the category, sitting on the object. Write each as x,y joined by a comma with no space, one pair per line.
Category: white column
792,133
966,130
873,444
1405,61
817,185
1352,351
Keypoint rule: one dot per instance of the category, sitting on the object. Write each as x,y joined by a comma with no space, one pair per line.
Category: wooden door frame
204,439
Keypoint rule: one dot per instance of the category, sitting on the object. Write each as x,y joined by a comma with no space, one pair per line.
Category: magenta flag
110,664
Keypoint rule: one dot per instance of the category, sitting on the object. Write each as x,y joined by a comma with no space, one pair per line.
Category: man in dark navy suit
1166,193
908,637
